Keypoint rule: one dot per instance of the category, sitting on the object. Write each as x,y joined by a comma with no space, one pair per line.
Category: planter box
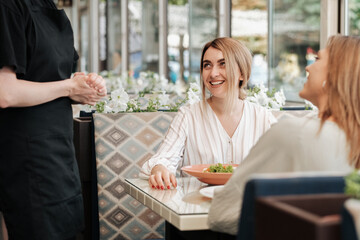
295,217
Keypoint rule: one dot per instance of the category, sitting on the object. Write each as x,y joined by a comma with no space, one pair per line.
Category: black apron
40,191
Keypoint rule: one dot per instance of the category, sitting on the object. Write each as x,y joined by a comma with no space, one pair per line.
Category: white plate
209,191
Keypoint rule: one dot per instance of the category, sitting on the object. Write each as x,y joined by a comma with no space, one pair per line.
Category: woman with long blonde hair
327,143
220,129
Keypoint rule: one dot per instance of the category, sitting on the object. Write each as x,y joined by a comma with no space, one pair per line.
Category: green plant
352,184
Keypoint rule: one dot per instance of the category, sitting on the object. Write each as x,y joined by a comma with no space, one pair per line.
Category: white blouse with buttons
196,136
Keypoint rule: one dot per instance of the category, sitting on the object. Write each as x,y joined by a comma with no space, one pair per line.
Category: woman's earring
323,84
240,84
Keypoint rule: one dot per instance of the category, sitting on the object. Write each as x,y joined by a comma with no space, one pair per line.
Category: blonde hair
237,57
343,89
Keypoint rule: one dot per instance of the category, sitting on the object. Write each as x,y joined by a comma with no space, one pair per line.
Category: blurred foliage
177,2
352,184
307,11
354,6
257,44
249,4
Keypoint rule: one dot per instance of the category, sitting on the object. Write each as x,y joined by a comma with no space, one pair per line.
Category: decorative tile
136,230
115,136
147,116
132,172
161,124
104,175
102,149
150,217
156,147
148,137
117,163
141,162
114,116
116,189
106,232
161,229
121,237
124,141
130,123
105,203
132,150
118,217
153,236
132,205
101,123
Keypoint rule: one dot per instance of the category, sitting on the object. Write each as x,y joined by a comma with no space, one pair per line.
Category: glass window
178,41
84,36
143,36
354,15
203,22
114,36
295,41
249,24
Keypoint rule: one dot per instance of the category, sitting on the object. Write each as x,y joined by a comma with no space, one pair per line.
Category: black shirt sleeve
12,38
76,58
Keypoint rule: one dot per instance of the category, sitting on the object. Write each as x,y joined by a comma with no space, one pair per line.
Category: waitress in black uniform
40,192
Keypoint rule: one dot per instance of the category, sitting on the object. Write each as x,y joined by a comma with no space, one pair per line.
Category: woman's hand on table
161,178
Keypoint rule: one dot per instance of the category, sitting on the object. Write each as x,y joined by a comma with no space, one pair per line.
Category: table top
183,206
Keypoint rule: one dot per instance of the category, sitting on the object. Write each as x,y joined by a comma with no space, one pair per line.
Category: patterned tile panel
102,148
105,204
117,163
150,217
133,205
131,123
124,141
115,136
106,231
116,189
133,149
136,230
148,137
118,217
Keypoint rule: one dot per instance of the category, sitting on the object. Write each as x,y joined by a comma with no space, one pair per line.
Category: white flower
192,97
252,99
280,97
143,75
116,106
86,108
163,83
107,109
263,88
262,98
163,98
273,104
119,96
195,87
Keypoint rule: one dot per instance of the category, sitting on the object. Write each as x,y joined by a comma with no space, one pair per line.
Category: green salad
219,168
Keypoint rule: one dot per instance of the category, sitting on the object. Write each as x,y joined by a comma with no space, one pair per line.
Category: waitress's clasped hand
87,88
161,178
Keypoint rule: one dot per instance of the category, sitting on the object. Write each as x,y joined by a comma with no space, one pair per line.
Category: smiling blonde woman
220,129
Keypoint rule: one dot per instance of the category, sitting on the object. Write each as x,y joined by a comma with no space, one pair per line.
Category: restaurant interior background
125,37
